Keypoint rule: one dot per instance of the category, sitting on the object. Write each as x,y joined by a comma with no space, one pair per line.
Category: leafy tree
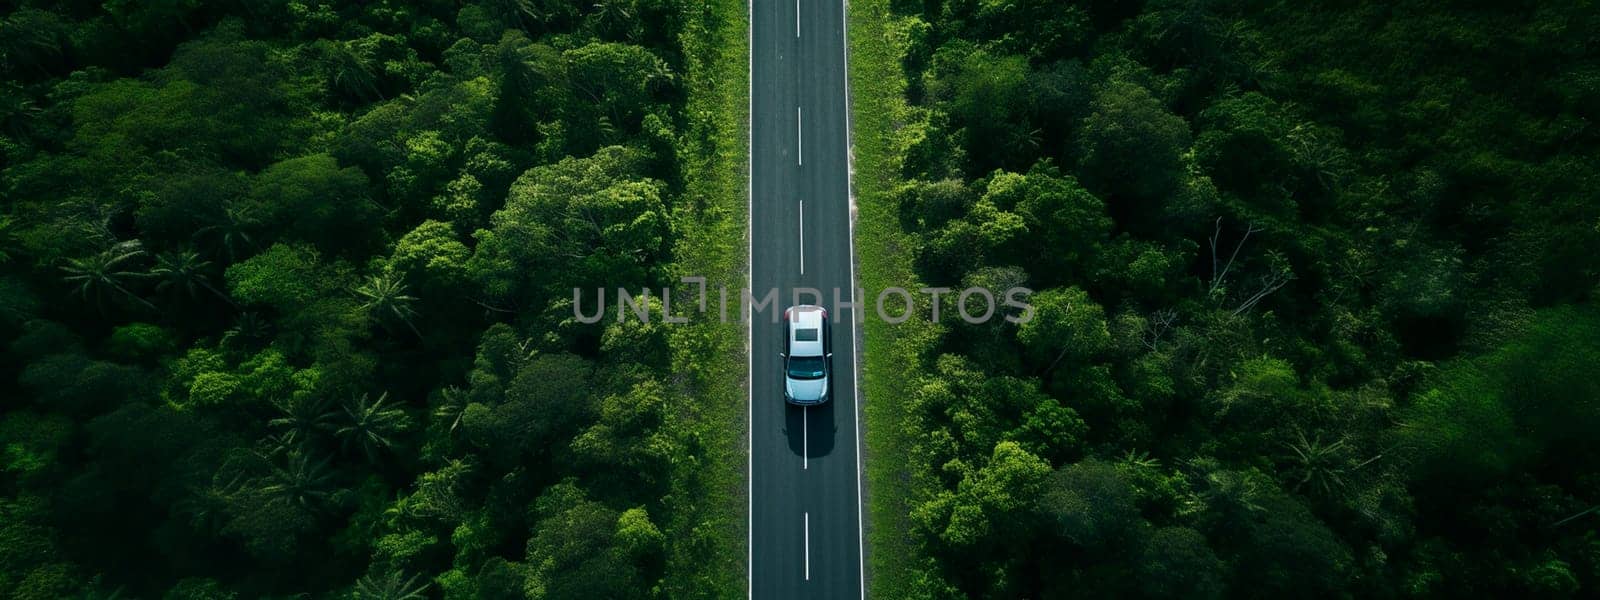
1067,324
933,204
1033,27
555,386
1089,504
203,203
76,384
1260,387
314,200
1253,124
541,409
614,83
576,551
991,503
974,413
1289,549
432,257
590,215
637,537
140,342
1130,150
54,580
1176,562
428,162
987,97
989,497
1058,214
287,278
34,444
628,440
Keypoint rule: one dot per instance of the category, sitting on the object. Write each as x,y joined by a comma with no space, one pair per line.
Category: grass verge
883,252
706,533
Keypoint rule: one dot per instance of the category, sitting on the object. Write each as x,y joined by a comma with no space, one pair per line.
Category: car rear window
805,335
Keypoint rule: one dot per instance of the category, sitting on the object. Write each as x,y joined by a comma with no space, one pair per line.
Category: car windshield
805,367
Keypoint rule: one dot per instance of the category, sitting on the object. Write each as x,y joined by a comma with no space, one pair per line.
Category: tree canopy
1312,292
275,290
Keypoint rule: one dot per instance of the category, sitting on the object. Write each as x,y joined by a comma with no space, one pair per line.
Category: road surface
804,472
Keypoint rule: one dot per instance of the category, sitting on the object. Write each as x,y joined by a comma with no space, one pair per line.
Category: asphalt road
805,484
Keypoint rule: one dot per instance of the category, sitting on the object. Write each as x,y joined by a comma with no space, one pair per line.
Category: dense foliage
1313,309
285,306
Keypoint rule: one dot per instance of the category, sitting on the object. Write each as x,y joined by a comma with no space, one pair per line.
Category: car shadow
811,430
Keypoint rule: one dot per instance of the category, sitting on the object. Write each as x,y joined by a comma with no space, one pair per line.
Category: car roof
806,321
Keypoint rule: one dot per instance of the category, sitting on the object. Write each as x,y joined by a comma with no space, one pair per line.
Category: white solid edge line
855,356
802,238
749,343
808,546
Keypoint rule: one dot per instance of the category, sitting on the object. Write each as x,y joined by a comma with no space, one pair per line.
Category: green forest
1314,290
285,307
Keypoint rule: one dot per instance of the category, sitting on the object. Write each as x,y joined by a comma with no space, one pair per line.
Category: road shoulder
707,539
890,353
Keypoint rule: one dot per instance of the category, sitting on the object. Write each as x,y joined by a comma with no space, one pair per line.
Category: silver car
807,351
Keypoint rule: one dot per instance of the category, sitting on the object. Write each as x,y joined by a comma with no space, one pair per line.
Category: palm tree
393,585
615,17
98,590
1137,459
349,73
106,273
438,496
299,481
272,446
233,232
5,238
304,416
385,295
608,131
452,406
659,79
184,271
371,425
207,507
518,14
1223,498
248,328
27,38
1318,465
18,113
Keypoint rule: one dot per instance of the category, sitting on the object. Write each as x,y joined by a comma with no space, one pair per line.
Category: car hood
805,391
